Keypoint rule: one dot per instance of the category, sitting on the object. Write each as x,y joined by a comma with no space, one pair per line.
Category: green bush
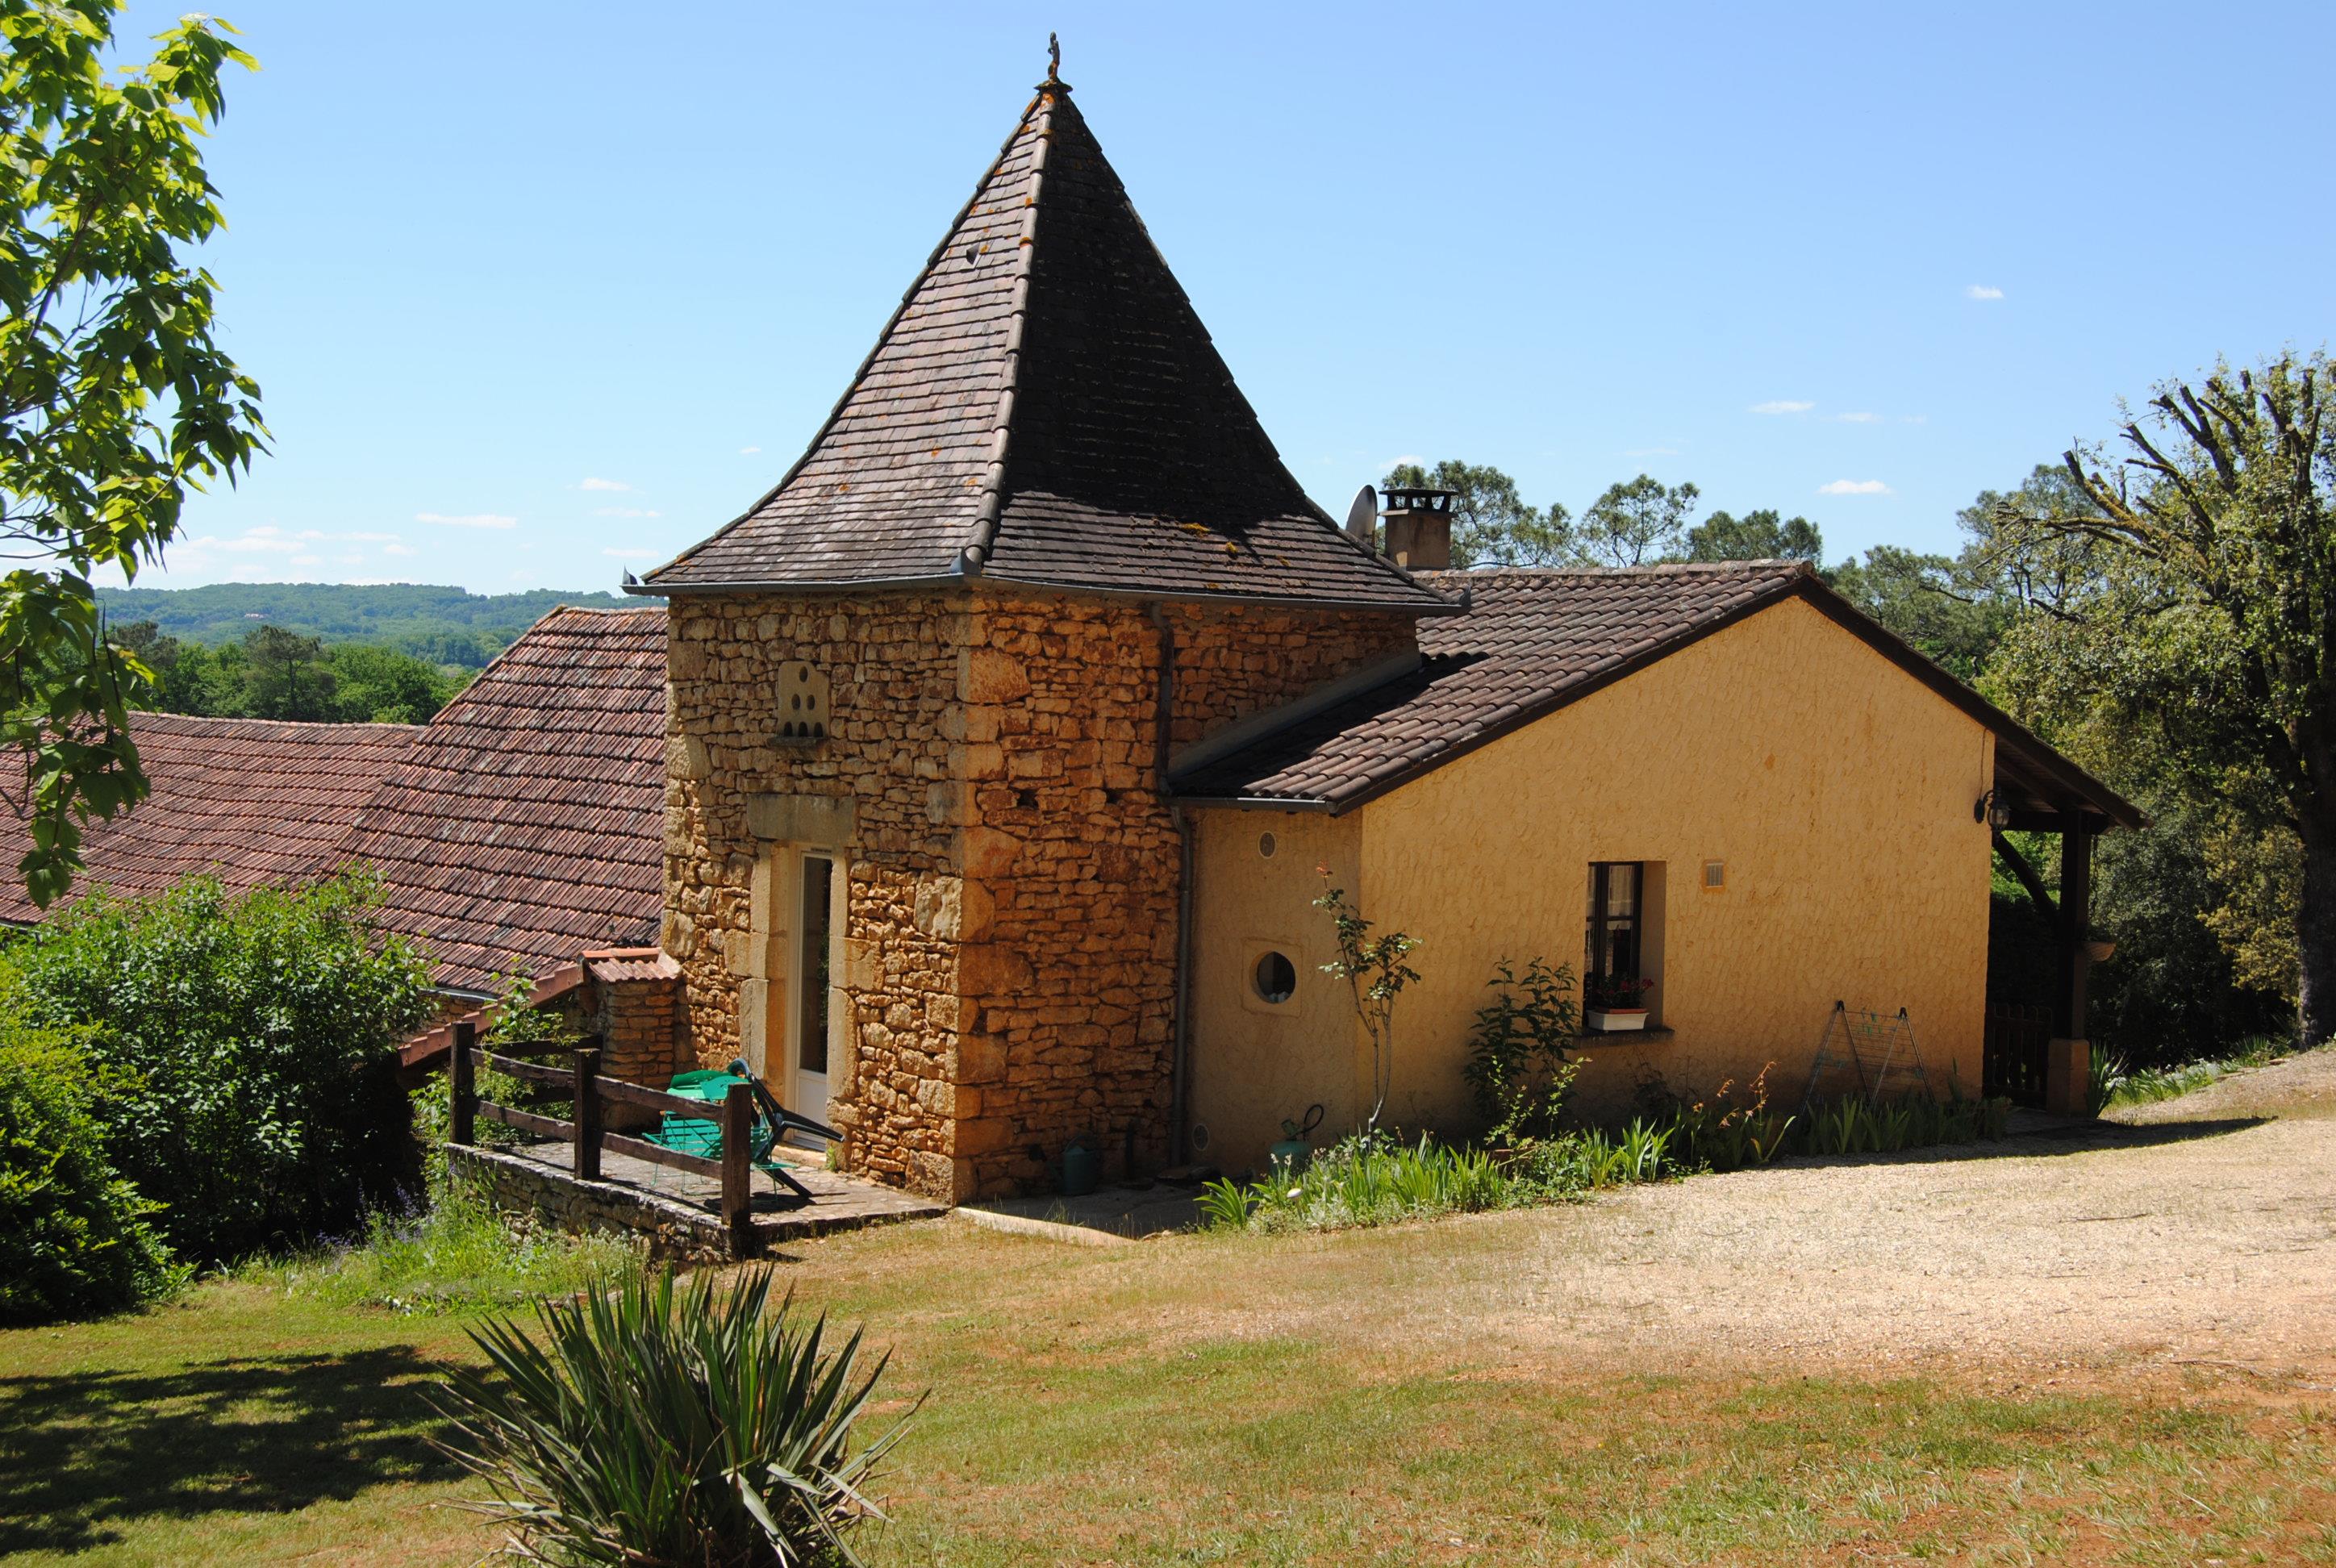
1518,1071
75,1237
638,1425
251,1042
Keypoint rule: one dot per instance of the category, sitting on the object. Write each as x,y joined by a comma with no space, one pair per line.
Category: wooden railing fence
585,1131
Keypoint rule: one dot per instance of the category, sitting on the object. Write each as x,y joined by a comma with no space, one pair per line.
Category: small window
1275,978
1611,968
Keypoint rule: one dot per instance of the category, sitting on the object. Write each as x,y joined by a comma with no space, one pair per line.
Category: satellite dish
1363,517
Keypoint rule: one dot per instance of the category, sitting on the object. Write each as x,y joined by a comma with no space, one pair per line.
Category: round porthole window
1275,978
1200,1136
1265,845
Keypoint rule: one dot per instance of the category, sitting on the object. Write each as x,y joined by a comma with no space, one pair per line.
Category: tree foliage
1636,523
276,673
115,398
1761,535
2181,596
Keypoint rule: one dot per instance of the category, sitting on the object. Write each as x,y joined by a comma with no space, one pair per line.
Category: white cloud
397,550
1854,487
631,554
1782,406
1854,418
468,520
748,450
603,484
1983,291
369,538
622,511
312,533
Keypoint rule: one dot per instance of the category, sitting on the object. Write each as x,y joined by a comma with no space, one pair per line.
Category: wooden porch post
2068,1072
463,1111
587,1092
737,1172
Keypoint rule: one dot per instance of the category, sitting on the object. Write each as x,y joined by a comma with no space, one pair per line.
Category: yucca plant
645,1425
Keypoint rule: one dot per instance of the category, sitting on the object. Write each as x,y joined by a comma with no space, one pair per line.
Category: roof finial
1053,61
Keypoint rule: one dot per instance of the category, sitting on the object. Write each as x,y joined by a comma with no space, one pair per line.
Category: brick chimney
1420,529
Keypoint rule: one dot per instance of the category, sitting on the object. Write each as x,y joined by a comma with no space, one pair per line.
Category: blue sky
539,292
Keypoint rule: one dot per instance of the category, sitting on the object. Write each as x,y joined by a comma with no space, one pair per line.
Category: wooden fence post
737,1149
588,1115
462,1109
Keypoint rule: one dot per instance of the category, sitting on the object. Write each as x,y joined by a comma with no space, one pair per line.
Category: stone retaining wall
670,1229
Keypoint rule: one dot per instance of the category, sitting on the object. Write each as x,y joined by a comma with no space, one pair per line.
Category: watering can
1293,1151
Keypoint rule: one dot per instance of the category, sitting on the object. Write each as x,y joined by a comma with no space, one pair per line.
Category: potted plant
1616,1002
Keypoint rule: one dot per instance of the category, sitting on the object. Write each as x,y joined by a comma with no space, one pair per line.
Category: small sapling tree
1376,974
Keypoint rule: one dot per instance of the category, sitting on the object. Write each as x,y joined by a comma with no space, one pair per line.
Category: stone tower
927,695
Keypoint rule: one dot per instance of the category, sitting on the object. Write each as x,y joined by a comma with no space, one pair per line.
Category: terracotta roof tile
252,801
527,821
1046,407
1534,640
1531,640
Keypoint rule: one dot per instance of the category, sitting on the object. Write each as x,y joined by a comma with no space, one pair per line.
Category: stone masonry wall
1073,861
1235,660
1009,950
892,752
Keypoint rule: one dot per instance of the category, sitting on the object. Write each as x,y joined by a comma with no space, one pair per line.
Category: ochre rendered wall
1837,789
1253,1063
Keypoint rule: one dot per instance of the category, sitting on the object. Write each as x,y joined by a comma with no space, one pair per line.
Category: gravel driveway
2202,1236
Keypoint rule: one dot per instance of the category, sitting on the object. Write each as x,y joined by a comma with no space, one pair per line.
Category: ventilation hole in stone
1200,1136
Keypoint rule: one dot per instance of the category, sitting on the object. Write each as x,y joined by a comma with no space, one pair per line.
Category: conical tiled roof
1046,408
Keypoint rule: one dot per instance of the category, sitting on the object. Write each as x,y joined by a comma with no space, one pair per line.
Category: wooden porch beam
2028,877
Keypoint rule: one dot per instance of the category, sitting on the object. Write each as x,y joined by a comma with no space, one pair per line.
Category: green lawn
1106,1406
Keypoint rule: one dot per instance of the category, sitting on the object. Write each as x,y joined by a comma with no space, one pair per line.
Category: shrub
75,1237
643,1425
252,1038
1517,1066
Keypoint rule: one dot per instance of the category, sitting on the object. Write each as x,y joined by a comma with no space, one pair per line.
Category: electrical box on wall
803,704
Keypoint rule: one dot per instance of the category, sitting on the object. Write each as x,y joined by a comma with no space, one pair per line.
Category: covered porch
2040,1053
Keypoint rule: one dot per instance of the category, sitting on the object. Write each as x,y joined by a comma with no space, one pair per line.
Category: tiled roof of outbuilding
1535,640
1046,408
527,822
250,801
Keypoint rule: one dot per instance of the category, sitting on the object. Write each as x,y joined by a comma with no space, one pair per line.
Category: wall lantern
1993,810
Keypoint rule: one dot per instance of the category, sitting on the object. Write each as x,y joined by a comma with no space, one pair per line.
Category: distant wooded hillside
445,626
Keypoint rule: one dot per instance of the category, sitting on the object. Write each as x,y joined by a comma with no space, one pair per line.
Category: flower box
1612,1020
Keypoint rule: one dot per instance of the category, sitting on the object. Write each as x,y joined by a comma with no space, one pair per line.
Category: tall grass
460,1255
1373,1180
2112,1084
